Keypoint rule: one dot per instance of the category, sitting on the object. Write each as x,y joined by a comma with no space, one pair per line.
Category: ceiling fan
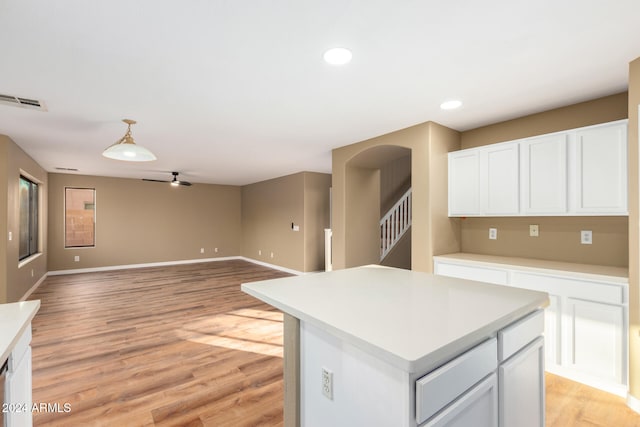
174,182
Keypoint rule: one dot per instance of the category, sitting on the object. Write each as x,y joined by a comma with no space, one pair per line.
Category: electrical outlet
493,233
10,236
32,272
327,383
259,252
534,231
271,254
215,250
586,237
76,258
201,250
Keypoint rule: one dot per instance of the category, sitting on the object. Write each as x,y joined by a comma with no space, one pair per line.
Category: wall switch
586,237
32,272
259,252
271,254
493,233
295,227
215,250
534,231
10,236
327,383
76,258
201,250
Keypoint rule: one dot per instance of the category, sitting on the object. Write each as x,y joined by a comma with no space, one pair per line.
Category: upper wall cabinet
576,172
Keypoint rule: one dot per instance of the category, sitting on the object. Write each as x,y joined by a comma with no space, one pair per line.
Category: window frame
64,216
33,236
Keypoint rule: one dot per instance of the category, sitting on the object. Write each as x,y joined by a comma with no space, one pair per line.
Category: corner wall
268,210
16,281
141,222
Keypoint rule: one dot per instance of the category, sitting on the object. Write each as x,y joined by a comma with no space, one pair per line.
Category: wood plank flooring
168,346
183,346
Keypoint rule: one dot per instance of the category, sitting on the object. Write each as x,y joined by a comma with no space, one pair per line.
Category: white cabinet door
521,388
499,174
478,407
464,183
595,337
544,175
18,393
601,169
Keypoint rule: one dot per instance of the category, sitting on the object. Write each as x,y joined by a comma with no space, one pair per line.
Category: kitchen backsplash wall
558,240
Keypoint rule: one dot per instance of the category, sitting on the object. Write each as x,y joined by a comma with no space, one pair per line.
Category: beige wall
559,237
432,233
15,281
269,208
316,218
634,232
395,179
144,222
362,226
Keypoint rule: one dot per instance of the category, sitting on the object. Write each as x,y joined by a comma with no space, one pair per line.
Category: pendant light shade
127,150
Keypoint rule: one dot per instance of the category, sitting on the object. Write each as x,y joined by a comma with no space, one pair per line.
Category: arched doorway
375,180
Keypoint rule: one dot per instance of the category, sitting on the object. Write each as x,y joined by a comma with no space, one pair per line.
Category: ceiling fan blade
154,180
188,184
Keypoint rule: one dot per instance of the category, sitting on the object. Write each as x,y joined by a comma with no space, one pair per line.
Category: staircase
395,223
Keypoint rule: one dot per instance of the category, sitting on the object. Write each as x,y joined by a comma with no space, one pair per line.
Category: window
28,218
79,217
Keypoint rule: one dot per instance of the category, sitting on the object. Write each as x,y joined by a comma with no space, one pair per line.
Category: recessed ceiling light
338,56
451,104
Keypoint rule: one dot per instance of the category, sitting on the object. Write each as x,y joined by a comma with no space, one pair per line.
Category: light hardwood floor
183,346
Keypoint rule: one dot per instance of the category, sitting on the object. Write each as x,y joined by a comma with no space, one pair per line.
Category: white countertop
618,275
412,320
14,319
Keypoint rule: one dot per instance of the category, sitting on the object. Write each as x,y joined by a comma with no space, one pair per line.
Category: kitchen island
380,346
15,350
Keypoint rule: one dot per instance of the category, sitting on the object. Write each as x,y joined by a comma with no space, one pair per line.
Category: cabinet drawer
20,349
519,334
437,389
481,274
582,289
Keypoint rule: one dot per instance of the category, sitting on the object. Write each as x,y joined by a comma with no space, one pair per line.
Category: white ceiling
234,92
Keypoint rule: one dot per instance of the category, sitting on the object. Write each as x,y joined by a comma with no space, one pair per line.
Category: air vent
67,169
16,101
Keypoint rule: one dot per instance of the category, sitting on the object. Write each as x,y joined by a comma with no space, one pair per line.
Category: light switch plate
586,237
534,230
493,233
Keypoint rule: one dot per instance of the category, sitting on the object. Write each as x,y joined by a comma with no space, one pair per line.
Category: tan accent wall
432,232
268,210
16,281
395,179
141,222
316,218
559,237
634,232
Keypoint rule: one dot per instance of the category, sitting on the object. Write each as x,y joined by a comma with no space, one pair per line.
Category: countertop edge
23,326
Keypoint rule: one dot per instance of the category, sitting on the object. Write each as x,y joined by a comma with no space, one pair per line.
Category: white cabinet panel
481,274
521,388
596,336
478,408
18,392
544,174
601,169
499,172
552,332
519,334
464,183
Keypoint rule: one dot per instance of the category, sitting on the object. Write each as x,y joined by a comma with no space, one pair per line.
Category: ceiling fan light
126,149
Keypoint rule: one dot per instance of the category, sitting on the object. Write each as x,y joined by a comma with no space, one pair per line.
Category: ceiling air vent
16,101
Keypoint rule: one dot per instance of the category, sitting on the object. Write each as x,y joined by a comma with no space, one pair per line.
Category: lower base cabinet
521,386
478,407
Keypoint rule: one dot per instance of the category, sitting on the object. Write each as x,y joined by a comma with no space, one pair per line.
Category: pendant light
127,150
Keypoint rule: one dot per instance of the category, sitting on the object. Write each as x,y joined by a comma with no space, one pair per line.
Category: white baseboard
275,267
162,264
633,403
33,288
